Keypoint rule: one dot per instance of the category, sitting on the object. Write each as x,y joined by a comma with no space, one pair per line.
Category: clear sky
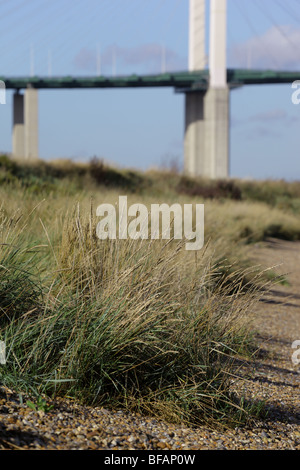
143,128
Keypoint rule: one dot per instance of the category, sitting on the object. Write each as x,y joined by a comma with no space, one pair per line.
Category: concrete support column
206,141
31,124
194,102
216,149
217,97
25,125
194,135
197,56
217,44
18,142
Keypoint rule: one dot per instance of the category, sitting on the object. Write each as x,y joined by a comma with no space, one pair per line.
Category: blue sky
143,128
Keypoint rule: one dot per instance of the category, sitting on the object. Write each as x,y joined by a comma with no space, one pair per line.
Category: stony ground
273,378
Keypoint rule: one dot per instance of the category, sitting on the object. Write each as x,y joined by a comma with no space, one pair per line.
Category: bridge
180,81
207,95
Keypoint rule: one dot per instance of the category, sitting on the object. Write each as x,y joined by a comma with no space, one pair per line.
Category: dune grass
143,325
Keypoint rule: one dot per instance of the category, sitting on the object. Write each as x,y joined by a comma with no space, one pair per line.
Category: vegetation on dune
143,325
123,324
40,175
45,177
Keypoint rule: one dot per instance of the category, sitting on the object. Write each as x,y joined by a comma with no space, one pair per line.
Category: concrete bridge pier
206,136
194,134
206,140
216,147
218,95
25,125
18,126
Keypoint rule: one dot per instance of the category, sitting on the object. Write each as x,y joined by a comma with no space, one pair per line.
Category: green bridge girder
181,81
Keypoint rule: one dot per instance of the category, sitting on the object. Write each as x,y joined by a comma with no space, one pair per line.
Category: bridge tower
206,139
25,125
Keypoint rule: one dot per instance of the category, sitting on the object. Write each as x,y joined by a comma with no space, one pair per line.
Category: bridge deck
182,81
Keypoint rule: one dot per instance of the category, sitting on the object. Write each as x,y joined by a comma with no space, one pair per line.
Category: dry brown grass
140,324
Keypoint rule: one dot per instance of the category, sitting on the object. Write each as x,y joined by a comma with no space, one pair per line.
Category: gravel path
274,378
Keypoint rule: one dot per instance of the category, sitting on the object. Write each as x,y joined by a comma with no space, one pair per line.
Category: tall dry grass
141,325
